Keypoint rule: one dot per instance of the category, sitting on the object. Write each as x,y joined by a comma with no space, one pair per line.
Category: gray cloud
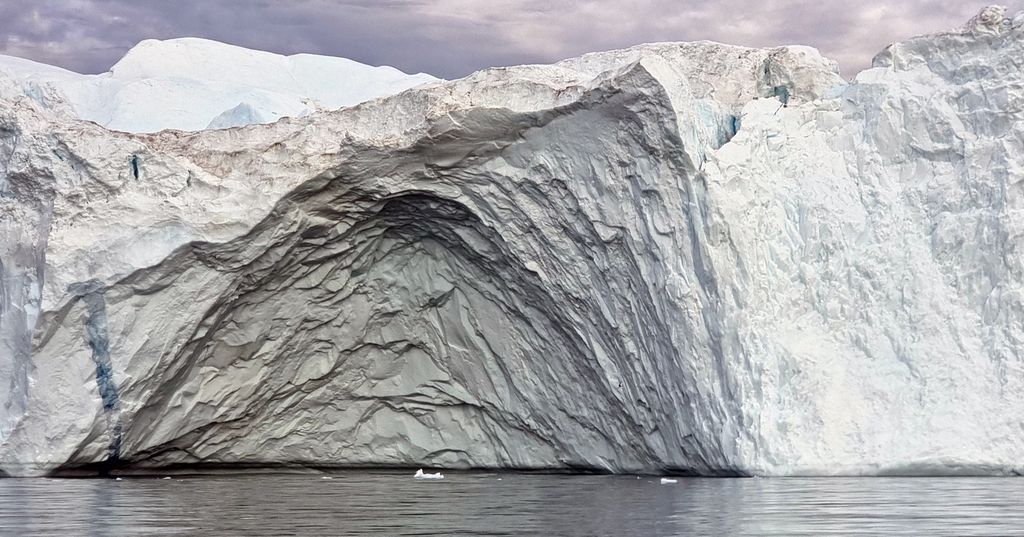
452,38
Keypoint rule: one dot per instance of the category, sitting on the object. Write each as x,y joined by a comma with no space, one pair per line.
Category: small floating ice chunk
117,479
667,481
420,475
168,477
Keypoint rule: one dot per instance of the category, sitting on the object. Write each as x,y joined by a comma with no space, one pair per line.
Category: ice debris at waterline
632,261
420,475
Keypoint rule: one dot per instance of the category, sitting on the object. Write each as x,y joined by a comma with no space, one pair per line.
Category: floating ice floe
667,481
420,475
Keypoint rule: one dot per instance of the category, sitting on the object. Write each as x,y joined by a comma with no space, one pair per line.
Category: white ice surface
193,84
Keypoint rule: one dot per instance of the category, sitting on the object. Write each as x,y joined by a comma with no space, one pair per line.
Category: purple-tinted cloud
451,38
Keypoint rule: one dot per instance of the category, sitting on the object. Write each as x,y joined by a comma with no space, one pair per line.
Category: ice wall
676,257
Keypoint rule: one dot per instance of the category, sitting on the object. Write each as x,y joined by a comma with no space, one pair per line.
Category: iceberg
677,258
193,84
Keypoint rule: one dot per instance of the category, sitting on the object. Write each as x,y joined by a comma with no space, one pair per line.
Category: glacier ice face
680,256
193,84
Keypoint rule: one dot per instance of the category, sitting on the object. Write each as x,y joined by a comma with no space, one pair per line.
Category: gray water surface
387,503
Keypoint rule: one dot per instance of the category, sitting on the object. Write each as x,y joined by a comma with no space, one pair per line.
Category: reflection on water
381,503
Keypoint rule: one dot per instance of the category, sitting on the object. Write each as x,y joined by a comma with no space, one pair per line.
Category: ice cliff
675,257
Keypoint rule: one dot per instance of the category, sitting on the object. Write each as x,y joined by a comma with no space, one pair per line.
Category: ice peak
170,57
972,43
990,20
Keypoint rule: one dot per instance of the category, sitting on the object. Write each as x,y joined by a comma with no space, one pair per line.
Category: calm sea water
374,503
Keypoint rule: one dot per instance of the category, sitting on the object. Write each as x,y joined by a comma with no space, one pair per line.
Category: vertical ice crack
97,336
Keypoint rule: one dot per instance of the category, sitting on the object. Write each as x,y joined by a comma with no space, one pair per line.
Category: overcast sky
451,38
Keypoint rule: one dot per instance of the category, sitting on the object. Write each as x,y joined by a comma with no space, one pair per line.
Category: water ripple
386,503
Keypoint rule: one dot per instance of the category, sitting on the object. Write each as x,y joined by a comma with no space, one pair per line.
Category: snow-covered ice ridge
193,84
675,257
